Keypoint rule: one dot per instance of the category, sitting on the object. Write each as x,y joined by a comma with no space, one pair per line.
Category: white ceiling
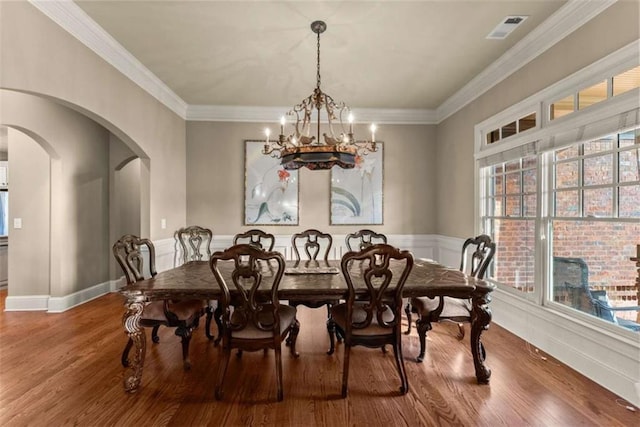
374,55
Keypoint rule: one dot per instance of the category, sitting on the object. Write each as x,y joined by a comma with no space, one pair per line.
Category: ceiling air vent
504,28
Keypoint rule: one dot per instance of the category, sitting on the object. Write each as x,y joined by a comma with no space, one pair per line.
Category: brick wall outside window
585,180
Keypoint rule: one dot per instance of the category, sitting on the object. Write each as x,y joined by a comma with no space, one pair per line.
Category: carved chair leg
345,370
279,371
407,311
222,371
154,334
404,383
125,353
423,325
185,334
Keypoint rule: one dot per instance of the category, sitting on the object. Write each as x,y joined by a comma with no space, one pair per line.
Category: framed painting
356,194
270,191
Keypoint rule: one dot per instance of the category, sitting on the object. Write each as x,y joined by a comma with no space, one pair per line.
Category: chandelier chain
318,60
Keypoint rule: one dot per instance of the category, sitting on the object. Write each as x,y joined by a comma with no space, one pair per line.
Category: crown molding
76,22
213,113
567,19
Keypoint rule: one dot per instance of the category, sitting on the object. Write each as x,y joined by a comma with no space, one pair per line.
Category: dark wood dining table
310,281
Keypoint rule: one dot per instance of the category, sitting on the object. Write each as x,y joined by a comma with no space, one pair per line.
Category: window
512,128
592,221
619,84
510,216
626,81
562,201
4,212
596,219
592,95
561,107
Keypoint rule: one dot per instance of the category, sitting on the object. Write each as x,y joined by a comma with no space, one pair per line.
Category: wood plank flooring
64,369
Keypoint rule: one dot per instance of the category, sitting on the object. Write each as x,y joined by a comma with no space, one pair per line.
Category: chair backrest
314,243
571,277
128,252
383,270
483,251
195,242
257,238
246,277
363,239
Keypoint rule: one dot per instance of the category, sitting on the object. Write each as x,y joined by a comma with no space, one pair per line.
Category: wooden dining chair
360,240
195,245
315,244
252,323
181,315
364,238
375,319
448,309
256,238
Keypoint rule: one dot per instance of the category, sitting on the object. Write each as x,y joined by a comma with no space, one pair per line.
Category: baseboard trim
27,303
60,304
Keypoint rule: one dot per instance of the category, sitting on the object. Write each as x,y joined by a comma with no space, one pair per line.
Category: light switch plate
163,223
17,222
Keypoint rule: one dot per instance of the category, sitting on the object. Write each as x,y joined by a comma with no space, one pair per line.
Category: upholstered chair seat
252,332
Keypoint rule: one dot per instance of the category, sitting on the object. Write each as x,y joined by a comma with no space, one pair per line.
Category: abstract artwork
356,194
270,191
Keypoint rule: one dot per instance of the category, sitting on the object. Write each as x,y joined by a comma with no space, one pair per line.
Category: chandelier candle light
300,148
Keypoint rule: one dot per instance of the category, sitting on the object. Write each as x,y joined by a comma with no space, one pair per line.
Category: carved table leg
480,319
217,317
131,323
423,325
207,325
331,329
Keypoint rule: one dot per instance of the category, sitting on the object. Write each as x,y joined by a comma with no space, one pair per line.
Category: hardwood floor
64,369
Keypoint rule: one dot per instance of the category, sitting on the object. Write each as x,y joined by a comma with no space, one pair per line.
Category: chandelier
301,148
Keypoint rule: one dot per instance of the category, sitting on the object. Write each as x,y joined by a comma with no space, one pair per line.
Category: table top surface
195,280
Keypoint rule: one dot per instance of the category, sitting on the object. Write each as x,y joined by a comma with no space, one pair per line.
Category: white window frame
613,115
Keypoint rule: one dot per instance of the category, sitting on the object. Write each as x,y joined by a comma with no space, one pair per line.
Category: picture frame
357,194
270,192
